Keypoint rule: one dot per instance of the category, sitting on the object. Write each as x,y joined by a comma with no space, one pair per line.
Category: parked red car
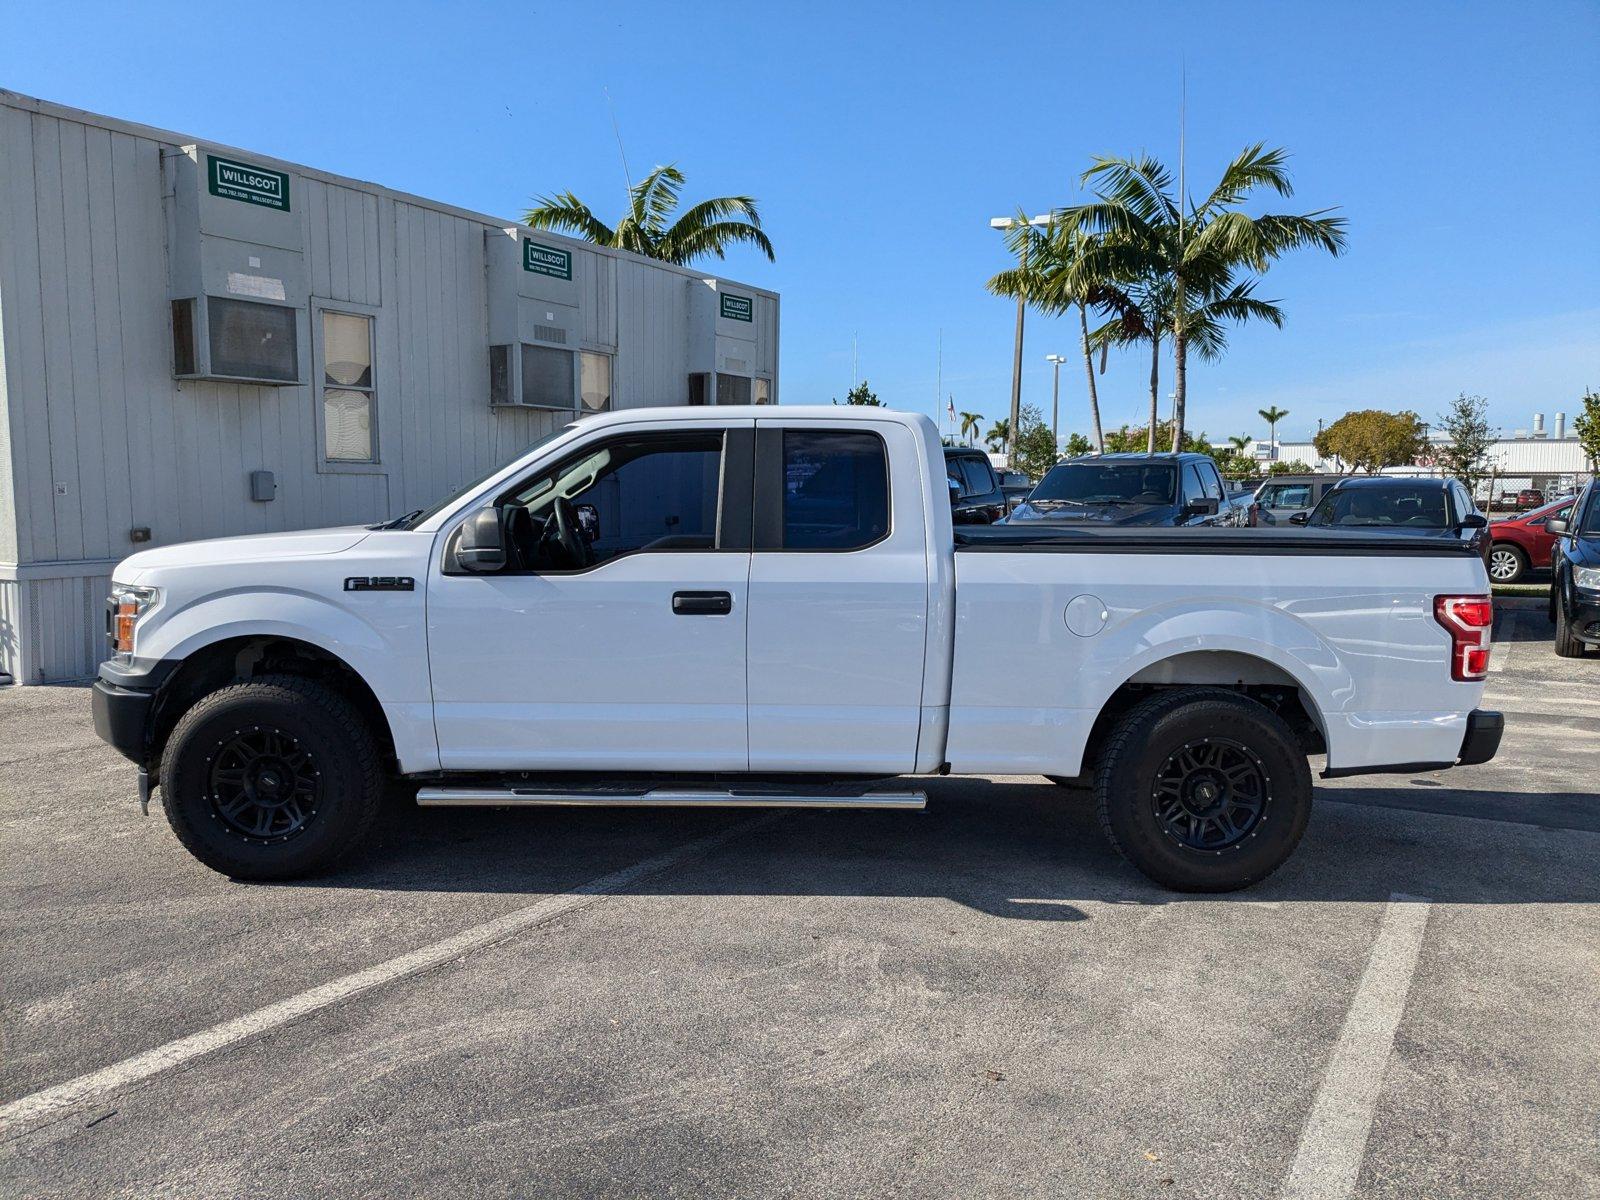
1522,544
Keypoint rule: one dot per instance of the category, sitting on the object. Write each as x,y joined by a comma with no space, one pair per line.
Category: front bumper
122,718
1584,615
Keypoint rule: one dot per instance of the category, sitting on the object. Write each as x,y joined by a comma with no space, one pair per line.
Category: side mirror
1474,521
1558,526
1299,518
482,544
1203,507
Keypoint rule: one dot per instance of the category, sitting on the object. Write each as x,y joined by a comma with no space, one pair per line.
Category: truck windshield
413,519
1404,505
1107,483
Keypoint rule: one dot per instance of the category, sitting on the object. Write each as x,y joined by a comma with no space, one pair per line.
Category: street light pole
1016,349
1055,399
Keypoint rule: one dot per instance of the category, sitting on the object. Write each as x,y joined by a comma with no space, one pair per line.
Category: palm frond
713,239
1254,166
565,213
1141,185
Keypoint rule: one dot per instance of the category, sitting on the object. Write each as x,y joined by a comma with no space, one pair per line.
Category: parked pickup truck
770,606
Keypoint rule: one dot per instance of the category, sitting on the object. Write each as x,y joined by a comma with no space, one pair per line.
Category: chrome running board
491,797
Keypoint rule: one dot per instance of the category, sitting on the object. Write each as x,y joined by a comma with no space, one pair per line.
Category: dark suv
1131,489
1422,507
975,495
1575,594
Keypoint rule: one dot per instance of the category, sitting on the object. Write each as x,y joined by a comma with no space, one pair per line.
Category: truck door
838,597
635,661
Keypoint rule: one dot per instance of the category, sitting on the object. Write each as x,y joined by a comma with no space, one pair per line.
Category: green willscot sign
234,180
546,260
737,308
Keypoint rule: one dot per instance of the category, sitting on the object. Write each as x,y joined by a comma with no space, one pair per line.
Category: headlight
123,610
1586,577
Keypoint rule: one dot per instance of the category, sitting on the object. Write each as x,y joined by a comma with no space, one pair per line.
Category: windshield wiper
399,521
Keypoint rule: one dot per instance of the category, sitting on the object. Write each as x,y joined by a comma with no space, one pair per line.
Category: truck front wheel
1203,790
271,779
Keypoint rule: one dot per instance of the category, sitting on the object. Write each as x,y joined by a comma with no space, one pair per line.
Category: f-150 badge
380,583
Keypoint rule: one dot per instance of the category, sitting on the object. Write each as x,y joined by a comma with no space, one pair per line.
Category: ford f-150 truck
770,606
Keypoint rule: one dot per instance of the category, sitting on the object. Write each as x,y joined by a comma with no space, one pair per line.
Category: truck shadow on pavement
1017,850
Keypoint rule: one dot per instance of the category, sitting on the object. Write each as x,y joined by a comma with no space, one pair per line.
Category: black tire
1243,752
1509,559
1567,643
309,780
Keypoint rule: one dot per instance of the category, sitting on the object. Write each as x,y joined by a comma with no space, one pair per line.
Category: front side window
1211,482
594,385
1287,495
547,377
835,489
1192,491
653,493
348,392
979,481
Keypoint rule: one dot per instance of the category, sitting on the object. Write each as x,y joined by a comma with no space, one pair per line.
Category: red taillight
1468,620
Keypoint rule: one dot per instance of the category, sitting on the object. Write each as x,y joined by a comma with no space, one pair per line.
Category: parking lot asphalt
977,1000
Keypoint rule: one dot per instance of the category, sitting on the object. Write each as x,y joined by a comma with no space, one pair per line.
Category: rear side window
835,489
1287,495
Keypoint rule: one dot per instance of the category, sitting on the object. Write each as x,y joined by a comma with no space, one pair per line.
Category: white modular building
201,341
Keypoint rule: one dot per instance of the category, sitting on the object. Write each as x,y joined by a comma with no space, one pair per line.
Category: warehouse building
201,341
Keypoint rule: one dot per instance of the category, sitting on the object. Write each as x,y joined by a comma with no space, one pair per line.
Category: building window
547,377
594,385
697,388
763,391
349,400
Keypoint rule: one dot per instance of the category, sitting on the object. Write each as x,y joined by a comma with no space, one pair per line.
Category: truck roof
828,412
1141,456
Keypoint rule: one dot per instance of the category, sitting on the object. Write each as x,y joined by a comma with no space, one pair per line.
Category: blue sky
1462,142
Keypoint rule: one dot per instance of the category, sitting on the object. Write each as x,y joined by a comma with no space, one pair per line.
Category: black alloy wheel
1211,793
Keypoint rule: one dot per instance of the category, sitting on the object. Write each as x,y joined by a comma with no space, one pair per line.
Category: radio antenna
617,129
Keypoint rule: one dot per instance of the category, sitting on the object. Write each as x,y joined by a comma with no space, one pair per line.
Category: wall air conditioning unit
533,319
236,269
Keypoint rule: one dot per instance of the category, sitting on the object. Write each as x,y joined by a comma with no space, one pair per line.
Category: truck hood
259,547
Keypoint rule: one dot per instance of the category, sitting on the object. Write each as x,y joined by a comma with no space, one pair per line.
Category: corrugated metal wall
104,439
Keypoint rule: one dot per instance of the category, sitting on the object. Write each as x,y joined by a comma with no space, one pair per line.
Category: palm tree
709,227
1195,253
1272,416
1055,276
999,434
969,427
1239,441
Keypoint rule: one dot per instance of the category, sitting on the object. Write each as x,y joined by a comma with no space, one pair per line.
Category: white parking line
52,1103
1334,1140
1500,646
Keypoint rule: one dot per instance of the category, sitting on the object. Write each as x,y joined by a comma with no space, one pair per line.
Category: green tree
1587,426
861,394
1134,440
1466,456
1293,467
1078,445
1188,259
1054,275
969,427
652,225
999,434
1036,446
1272,416
1370,439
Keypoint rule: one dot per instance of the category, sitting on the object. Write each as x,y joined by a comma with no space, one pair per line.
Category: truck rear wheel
271,779
1203,790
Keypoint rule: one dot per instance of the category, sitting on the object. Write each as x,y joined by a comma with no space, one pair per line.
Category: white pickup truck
770,606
